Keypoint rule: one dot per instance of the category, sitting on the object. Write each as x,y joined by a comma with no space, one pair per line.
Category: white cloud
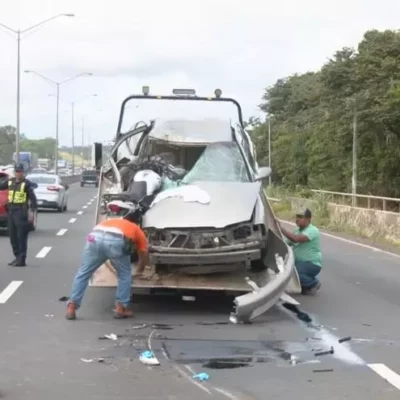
239,46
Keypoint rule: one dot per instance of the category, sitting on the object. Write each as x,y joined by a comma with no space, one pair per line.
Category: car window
44,180
3,177
89,173
220,162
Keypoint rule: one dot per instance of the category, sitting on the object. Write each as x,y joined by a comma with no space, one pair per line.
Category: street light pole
17,133
83,141
73,139
18,33
58,84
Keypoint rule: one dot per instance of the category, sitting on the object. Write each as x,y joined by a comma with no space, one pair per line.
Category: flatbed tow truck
258,270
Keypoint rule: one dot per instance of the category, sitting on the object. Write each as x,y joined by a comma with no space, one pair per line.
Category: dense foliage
312,121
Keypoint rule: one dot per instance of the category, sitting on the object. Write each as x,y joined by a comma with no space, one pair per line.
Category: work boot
12,263
313,291
71,311
20,262
122,312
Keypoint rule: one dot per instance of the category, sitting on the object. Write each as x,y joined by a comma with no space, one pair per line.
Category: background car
4,175
51,193
90,177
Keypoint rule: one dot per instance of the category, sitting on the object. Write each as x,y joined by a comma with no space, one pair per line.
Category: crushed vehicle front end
211,229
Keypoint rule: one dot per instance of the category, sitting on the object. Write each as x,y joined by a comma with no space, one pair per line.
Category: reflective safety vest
16,196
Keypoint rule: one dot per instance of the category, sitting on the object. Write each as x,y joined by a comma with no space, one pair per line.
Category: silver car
51,193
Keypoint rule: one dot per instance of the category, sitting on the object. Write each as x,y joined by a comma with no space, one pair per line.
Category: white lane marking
84,207
62,232
43,253
88,203
80,212
72,220
365,246
190,379
387,374
9,291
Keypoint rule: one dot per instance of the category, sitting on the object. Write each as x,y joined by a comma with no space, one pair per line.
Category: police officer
20,194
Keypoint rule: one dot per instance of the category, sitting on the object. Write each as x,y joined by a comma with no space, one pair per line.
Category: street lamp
73,129
18,32
58,84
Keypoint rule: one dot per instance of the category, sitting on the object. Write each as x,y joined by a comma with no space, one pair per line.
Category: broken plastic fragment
111,336
139,326
147,357
325,353
201,377
345,339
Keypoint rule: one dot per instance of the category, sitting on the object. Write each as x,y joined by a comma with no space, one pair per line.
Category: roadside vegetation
313,115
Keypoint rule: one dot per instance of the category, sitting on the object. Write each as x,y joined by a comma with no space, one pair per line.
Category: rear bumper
47,203
89,182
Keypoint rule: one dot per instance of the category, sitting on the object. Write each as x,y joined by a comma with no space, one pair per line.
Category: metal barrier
362,200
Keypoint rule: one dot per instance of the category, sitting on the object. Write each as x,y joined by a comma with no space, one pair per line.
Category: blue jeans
308,274
100,247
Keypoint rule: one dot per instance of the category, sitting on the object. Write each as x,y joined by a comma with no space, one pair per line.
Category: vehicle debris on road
345,339
325,353
202,376
148,357
111,336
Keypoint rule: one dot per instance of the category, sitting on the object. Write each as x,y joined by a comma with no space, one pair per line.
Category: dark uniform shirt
20,193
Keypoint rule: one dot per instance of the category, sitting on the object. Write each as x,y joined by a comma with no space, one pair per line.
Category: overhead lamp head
218,93
146,90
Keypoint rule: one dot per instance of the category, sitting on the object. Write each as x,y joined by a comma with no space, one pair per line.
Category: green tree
313,114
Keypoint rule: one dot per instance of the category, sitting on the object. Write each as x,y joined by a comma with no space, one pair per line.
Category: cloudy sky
240,46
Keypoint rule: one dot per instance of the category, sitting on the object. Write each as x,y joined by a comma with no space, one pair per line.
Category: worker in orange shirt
115,240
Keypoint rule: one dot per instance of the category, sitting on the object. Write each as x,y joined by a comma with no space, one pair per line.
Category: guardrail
362,200
357,200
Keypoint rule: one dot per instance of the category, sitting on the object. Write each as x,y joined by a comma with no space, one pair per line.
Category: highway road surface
43,356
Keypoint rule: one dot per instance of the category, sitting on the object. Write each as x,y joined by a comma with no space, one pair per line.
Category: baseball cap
19,168
306,213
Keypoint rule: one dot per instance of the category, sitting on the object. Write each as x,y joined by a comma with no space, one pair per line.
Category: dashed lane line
80,212
85,207
72,220
62,232
43,253
386,373
9,291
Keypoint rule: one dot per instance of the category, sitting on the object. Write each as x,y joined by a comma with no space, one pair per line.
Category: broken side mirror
263,173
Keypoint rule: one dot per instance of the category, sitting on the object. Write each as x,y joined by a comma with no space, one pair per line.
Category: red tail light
114,208
53,188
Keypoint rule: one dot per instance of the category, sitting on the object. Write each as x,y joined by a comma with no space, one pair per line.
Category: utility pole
269,148
57,124
354,166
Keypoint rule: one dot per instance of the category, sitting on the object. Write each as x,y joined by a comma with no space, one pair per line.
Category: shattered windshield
221,162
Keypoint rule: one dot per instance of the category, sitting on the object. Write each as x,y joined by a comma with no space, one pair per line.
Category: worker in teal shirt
306,244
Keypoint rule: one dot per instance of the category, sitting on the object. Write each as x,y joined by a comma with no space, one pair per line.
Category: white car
51,193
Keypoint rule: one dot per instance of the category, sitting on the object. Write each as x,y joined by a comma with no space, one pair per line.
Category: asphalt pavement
43,356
